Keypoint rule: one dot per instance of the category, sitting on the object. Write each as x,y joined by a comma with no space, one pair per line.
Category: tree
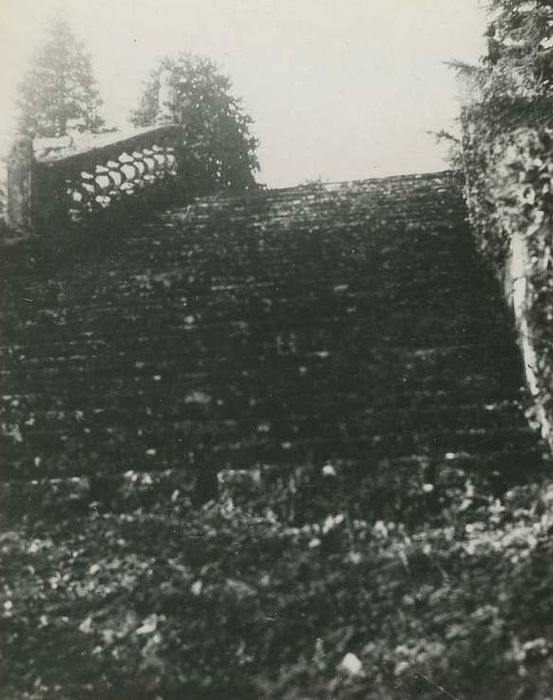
520,36
513,85
217,144
59,88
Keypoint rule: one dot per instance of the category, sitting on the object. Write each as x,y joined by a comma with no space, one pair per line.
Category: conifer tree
59,89
217,144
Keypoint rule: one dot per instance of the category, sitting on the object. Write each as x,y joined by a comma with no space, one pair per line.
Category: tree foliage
217,143
512,86
59,87
520,37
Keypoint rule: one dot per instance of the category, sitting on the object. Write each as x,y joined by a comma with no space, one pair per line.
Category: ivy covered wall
507,158
508,188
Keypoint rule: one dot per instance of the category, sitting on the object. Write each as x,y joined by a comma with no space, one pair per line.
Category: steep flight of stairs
348,325
330,360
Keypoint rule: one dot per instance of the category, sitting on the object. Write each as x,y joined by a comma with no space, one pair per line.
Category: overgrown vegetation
508,161
337,607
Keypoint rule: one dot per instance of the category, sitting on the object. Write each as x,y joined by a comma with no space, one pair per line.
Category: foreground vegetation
456,606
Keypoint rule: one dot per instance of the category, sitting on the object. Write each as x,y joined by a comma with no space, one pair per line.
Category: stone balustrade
49,184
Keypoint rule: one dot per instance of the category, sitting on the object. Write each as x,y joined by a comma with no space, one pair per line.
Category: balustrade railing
49,185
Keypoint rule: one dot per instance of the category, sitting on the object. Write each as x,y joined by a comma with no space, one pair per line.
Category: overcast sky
338,89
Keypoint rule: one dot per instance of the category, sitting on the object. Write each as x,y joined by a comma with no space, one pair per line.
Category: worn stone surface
348,324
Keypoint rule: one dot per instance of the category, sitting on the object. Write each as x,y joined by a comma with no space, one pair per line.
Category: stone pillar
19,214
165,100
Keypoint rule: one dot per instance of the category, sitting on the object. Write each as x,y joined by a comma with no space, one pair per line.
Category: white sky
338,89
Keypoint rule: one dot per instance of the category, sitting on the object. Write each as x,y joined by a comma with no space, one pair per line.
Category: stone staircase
331,363
349,326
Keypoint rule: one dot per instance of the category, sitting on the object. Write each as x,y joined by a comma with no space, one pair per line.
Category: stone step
299,493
